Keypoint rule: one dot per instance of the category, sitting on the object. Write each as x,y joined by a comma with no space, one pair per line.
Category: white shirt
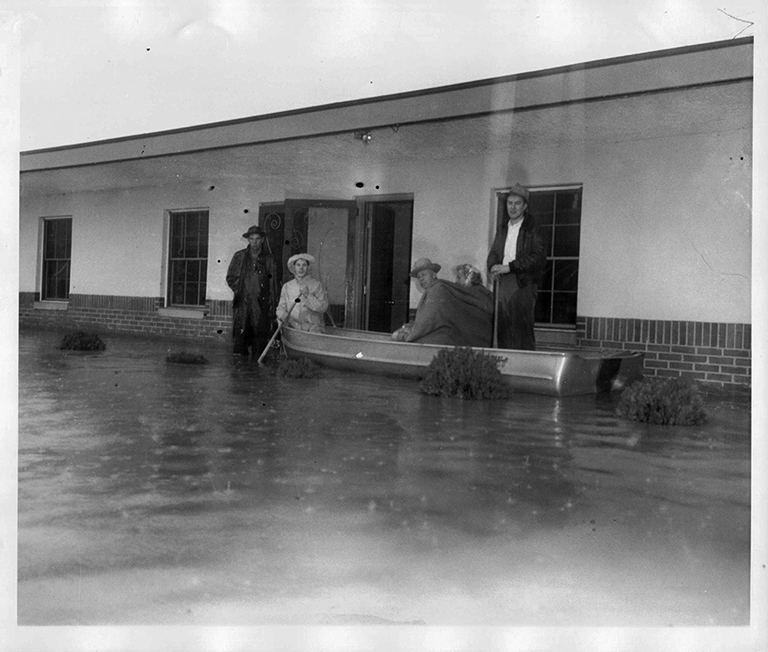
510,245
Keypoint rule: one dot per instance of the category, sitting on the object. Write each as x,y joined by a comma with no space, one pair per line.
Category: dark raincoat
253,280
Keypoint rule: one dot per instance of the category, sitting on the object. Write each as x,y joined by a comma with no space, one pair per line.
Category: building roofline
611,61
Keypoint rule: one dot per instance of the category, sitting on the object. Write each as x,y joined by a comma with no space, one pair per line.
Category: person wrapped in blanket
455,313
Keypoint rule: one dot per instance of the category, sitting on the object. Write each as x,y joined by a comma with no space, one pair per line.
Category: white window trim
50,304
183,313
165,265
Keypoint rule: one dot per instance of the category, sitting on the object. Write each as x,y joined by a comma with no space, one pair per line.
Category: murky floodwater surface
153,493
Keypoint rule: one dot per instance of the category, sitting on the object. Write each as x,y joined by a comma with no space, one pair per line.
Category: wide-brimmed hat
292,261
424,263
518,190
255,230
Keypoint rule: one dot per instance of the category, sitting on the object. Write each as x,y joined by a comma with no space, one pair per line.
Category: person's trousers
516,314
255,331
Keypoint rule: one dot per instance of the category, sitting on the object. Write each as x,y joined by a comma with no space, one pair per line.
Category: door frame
358,254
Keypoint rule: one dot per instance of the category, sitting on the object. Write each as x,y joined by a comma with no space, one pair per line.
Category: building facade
639,169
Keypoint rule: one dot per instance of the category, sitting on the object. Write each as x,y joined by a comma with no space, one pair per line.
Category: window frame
552,259
45,259
172,261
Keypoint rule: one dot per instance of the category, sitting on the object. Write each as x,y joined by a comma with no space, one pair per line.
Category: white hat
292,260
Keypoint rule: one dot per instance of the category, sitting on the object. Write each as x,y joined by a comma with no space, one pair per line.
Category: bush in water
664,401
81,341
300,368
186,358
464,373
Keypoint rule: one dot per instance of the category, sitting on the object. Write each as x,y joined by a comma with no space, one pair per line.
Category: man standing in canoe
516,261
252,277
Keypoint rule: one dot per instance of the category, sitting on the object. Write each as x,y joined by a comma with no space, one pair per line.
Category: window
558,214
57,247
188,258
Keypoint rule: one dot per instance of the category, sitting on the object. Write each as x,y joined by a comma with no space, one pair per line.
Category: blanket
455,315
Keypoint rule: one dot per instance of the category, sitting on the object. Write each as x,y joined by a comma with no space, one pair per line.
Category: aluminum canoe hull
550,372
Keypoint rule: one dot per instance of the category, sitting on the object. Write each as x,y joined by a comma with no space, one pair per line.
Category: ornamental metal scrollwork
273,222
301,226
297,240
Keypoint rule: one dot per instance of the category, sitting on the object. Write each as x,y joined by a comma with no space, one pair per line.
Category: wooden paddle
277,330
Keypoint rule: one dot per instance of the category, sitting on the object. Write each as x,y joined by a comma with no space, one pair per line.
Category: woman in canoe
303,300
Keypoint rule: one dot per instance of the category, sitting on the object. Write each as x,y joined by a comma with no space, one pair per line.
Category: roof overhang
700,65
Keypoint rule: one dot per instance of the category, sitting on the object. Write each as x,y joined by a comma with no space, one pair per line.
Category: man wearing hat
516,262
448,313
252,277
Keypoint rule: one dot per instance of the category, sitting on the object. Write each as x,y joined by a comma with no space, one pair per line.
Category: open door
386,284
318,227
363,254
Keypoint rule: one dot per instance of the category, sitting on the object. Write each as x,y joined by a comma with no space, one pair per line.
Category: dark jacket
531,251
264,293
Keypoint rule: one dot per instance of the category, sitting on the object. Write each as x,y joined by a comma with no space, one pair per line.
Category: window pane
193,268
566,241
566,275
202,243
543,312
541,206
564,308
177,294
57,244
568,207
546,233
190,294
546,279
188,252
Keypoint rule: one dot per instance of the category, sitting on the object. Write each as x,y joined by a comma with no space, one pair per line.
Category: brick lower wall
708,352
121,314
712,353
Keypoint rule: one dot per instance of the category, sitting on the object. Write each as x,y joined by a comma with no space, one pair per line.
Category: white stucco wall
666,220
666,217
118,245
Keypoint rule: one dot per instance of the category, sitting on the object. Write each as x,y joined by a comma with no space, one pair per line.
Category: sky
97,69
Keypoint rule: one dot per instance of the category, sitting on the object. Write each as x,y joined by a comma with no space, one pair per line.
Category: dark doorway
388,227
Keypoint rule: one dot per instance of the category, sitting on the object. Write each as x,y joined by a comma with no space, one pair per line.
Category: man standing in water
252,277
516,260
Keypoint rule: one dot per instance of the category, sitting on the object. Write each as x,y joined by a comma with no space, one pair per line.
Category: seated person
307,314
468,275
456,314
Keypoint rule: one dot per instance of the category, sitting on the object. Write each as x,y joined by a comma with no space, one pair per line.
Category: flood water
153,493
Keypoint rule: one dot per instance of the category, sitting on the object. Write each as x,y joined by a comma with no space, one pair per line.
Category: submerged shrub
299,368
664,401
464,373
186,358
82,341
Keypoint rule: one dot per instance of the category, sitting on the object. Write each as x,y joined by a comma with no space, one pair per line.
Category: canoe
551,372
